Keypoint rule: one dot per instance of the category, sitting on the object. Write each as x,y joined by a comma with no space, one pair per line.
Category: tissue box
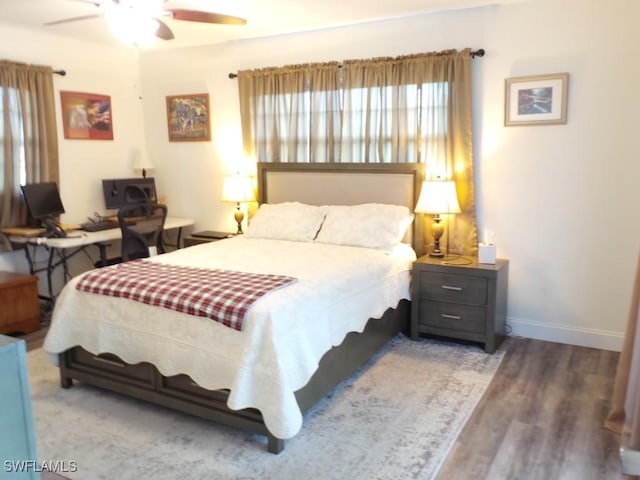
487,253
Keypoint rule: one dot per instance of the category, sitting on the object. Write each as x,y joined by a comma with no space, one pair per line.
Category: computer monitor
119,192
43,203
42,199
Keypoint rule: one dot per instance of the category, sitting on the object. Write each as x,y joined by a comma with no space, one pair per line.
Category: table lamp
238,188
437,198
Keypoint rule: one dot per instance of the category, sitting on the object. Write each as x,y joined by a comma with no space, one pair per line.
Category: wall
560,199
83,163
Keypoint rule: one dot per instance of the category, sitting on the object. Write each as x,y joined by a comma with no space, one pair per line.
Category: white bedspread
285,333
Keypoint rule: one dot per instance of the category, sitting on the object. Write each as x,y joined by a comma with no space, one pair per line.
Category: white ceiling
264,17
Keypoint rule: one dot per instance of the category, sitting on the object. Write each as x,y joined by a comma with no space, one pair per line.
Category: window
10,111
359,113
373,124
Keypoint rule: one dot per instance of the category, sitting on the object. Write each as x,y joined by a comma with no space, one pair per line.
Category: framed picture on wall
188,118
536,100
86,116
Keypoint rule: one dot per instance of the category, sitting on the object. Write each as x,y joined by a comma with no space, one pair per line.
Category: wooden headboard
343,184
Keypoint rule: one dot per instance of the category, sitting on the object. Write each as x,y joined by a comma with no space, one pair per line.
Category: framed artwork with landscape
188,118
536,100
86,116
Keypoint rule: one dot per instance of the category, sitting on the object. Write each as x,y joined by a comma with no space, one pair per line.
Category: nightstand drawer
451,316
453,288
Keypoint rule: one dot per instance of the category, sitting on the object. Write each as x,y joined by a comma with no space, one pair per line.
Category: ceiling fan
135,15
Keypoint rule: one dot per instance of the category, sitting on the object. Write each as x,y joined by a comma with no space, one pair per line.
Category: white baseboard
584,337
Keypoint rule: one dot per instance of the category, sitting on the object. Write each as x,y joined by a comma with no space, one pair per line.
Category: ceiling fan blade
163,32
204,17
74,19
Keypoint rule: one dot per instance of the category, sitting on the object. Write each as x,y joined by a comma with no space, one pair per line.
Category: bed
297,342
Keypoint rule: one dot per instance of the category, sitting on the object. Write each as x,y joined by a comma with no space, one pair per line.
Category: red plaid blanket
222,295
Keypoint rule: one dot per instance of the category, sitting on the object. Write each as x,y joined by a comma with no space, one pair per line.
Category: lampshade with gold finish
238,188
437,198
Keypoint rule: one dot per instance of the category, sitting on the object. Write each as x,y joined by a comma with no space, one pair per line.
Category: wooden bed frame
143,381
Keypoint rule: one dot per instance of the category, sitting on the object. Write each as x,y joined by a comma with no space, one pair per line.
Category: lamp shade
140,160
438,197
237,188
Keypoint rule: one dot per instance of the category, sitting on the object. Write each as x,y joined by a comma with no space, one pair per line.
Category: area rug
395,418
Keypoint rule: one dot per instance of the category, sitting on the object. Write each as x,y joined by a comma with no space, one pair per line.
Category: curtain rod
62,73
475,53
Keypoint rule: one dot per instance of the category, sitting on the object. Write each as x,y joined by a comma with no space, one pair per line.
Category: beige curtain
273,104
29,134
624,417
413,109
440,135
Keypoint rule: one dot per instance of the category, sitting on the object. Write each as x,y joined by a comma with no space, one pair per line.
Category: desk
75,242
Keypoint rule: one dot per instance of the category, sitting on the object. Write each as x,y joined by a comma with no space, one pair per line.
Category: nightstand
467,302
205,237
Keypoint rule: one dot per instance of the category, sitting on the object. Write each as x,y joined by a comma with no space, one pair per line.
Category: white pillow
286,221
372,225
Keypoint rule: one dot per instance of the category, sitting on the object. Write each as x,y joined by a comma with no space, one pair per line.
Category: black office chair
141,226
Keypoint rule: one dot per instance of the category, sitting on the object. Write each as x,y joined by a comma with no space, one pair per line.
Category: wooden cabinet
462,301
17,437
19,305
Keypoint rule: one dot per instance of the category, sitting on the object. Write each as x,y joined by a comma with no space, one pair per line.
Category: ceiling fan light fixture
133,22
138,22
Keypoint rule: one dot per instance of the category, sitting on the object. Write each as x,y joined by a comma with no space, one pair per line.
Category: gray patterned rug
396,418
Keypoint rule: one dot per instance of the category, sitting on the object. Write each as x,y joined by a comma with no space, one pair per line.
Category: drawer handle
450,317
109,362
451,287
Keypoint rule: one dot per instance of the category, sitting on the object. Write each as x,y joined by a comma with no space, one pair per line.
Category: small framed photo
86,116
188,118
536,100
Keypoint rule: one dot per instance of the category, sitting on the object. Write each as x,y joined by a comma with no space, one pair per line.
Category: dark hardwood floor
541,418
